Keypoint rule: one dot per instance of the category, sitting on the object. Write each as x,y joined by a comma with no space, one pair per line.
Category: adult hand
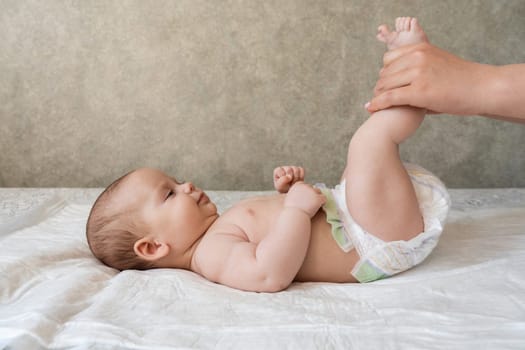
425,76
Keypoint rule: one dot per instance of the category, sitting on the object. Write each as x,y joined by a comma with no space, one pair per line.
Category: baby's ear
150,249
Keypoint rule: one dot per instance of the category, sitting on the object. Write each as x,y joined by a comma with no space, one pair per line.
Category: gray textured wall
221,92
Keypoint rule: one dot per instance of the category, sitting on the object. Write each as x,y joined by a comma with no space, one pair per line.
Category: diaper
380,259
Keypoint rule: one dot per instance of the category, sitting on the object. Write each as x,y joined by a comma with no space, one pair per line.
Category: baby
383,218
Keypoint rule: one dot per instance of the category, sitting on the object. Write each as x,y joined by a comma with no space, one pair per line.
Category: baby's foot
407,32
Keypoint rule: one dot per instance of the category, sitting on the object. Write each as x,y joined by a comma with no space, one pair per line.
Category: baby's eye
170,193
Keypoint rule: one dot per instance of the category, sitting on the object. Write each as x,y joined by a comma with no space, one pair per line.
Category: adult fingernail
367,105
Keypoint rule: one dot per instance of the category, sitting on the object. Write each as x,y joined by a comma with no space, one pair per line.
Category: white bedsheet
469,294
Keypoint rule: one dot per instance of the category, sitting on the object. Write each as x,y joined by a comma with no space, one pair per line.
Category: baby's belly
325,261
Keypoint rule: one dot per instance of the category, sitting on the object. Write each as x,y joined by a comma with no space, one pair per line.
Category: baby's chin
213,208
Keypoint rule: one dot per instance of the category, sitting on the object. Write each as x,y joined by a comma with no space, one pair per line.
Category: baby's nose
189,187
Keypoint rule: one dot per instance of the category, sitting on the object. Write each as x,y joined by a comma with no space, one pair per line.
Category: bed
469,294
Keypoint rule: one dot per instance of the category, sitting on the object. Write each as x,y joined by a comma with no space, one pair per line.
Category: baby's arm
272,264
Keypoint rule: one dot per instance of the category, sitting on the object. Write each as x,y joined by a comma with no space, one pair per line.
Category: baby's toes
399,24
382,33
414,25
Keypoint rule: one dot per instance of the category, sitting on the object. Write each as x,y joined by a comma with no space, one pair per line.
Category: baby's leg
379,193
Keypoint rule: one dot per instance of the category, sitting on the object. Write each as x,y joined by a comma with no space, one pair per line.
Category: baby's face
177,213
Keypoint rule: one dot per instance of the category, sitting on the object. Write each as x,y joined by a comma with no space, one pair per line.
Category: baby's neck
181,260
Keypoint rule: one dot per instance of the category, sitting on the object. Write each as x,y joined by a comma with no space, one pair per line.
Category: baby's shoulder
215,248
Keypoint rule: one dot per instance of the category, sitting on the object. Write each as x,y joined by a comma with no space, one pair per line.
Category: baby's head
146,219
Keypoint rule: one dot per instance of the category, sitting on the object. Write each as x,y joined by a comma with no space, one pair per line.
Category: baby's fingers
278,172
298,173
282,183
283,180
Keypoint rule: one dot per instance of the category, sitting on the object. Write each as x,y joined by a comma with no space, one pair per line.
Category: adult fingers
390,56
397,97
396,80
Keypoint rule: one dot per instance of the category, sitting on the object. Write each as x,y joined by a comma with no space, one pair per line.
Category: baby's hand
285,176
305,197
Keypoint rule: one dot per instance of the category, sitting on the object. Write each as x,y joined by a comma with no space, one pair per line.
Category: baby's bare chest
254,217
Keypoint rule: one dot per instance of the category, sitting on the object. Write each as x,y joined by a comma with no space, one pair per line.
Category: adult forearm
281,253
428,77
505,95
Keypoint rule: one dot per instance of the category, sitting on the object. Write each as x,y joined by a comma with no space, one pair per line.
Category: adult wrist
493,88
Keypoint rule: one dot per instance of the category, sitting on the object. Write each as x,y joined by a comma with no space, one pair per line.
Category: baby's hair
112,235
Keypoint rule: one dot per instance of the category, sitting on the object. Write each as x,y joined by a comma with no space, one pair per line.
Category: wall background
221,92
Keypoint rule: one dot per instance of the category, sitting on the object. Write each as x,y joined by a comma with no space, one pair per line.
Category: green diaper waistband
332,217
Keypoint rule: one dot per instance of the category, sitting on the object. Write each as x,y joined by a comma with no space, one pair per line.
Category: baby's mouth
203,198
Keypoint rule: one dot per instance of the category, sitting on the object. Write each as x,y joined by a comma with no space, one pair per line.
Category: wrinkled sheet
469,294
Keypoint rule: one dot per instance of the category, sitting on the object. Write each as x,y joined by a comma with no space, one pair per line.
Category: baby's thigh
379,193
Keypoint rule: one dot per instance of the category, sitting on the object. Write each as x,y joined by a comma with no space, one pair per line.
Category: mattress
469,294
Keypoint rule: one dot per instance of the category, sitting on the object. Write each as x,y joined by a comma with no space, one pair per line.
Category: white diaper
380,259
